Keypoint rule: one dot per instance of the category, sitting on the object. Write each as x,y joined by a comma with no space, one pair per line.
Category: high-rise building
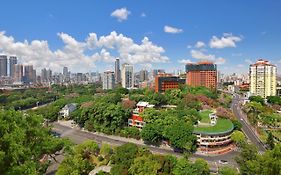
65,71
201,74
127,76
143,75
117,71
12,61
18,73
263,79
29,74
46,75
165,82
108,80
3,65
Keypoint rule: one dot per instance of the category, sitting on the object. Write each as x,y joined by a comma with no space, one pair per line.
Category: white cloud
189,46
169,29
199,54
240,65
143,14
184,61
200,44
82,55
249,61
121,14
227,40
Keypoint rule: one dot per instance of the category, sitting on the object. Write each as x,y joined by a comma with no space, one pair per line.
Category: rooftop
222,126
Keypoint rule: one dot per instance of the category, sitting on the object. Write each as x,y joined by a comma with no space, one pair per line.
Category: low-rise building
136,120
67,110
214,135
165,82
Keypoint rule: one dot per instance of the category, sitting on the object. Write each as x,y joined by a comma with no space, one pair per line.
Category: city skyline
189,32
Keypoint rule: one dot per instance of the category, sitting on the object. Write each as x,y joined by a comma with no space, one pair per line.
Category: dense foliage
24,142
251,162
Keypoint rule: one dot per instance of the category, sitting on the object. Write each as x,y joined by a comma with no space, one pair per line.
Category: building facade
29,74
3,65
117,71
108,80
18,73
263,79
12,61
143,75
165,82
127,76
201,74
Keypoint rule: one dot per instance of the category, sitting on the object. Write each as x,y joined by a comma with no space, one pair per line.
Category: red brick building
136,119
164,82
201,74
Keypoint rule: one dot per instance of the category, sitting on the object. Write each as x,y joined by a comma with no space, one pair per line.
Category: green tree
181,136
152,133
145,165
270,140
257,99
226,170
238,137
23,142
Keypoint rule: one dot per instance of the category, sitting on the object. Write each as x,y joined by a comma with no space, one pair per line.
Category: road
78,136
246,128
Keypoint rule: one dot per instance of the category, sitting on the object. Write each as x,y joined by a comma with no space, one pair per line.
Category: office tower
12,61
28,73
201,74
263,79
108,80
165,82
143,75
127,76
46,75
117,71
18,72
3,65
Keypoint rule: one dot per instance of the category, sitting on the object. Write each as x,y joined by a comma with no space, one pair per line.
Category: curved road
246,127
78,136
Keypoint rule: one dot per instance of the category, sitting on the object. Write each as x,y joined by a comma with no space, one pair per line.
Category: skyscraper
201,74
65,71
18,72
117,71
127,76
108,80
263,79
143,75
29,74
3,65
12,61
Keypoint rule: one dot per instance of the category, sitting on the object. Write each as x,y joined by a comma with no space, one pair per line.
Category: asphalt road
245,126
78,136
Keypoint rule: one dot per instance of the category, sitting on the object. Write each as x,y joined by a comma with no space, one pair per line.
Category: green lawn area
223,125
205,116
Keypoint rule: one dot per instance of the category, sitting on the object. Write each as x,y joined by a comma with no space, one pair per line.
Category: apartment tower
263,79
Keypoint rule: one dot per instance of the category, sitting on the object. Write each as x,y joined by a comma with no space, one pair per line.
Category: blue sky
234,33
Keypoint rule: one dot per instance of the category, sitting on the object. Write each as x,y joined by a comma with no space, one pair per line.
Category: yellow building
263,79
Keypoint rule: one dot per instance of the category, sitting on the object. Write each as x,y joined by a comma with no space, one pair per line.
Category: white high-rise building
127,76
108,80
263,79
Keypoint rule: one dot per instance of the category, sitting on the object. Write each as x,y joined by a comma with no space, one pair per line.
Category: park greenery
25,144
127,159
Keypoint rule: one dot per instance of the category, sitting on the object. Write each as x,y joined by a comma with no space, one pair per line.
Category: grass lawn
205,116
223,125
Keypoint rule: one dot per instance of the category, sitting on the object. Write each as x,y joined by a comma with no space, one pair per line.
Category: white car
224,162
